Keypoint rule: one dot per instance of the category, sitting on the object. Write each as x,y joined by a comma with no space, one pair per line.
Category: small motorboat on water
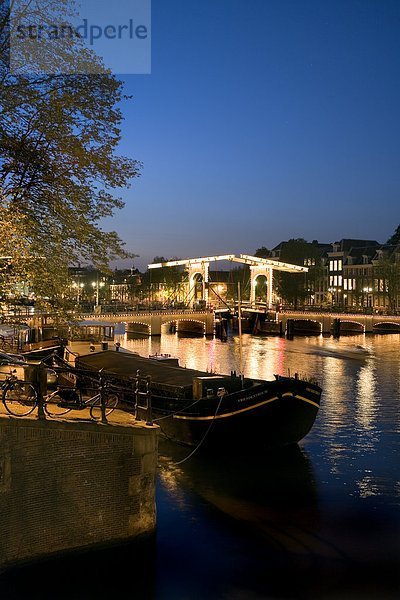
356,352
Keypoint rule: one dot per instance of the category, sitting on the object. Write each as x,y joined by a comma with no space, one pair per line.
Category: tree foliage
290,286
59,167
263,252
394,240
170,276
387,269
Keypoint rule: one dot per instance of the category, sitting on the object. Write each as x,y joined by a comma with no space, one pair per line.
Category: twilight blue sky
263,120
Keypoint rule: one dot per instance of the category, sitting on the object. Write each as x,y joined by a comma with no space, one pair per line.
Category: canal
319,521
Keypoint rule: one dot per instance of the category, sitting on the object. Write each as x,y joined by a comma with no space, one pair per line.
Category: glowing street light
97,285
79,288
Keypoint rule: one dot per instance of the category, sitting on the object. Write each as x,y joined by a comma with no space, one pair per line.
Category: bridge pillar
155,323
326,323
282,318
200,268
256,271
369,324
210,323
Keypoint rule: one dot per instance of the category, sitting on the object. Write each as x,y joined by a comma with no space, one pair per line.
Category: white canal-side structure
198,270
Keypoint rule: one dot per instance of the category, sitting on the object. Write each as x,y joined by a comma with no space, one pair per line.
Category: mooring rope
203,438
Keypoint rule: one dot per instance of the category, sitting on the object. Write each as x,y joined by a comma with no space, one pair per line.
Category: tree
171,276
394,240
290,286
263,252
387,270
170,279
59,167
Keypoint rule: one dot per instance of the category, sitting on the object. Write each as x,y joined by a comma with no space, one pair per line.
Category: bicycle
19,397
64,400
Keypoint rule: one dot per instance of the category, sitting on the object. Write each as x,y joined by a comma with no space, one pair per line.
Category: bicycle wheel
54,406
111,402
20,398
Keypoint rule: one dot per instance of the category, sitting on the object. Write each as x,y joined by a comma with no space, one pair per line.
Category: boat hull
279,413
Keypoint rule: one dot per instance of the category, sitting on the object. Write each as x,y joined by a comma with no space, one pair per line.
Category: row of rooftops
352,251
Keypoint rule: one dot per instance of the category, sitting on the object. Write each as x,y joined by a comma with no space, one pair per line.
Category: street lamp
79,288
97,285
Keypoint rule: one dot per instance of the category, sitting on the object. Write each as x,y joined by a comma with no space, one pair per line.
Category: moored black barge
192,407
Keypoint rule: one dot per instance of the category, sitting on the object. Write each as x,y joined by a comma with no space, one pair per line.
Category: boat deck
125,364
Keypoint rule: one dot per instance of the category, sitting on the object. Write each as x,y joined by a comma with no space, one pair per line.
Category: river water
318,521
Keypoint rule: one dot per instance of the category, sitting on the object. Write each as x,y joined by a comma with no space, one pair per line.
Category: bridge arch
197,286
196,322
386,327
303,326
260,284
351,326
130,327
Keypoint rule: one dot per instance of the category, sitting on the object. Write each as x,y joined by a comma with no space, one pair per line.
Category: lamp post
332,291
79,288
96,285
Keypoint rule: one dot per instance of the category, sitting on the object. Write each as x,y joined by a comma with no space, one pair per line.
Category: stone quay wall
68,485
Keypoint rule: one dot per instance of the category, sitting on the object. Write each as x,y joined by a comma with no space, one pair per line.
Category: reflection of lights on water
334,396
397,488
366,409
168,476
368,486
212,356
281,357
336,455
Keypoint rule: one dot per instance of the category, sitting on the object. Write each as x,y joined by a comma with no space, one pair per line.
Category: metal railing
142,386
134,393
